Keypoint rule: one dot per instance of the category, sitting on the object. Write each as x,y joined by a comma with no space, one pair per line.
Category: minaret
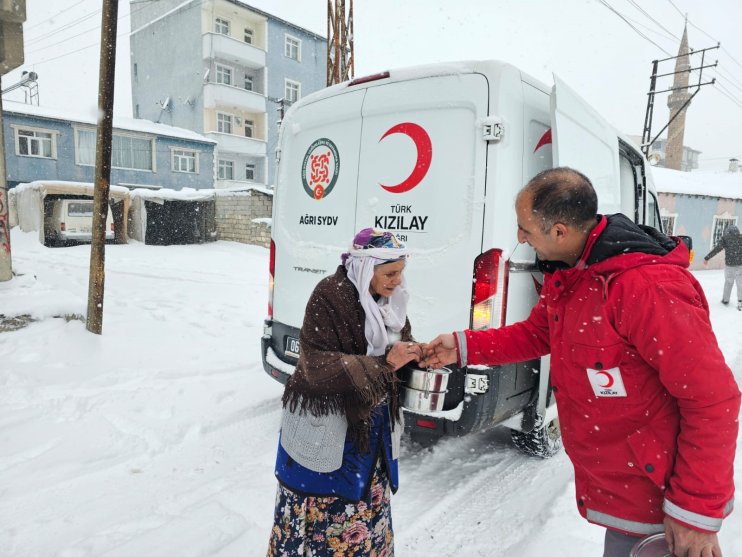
676,131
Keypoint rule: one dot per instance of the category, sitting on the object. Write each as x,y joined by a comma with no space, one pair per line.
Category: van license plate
292,347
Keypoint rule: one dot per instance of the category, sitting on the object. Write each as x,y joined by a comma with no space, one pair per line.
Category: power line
50,18
61,29
717,41
642,10
676,8
607,5
131,12
724,91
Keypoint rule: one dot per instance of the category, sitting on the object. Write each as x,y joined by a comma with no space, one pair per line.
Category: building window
226,170
720,226
292,92
185,161
224,122
127,151
249,35
223,74
249,83
35,143
292,48
221,26
249,171
249,128
668,224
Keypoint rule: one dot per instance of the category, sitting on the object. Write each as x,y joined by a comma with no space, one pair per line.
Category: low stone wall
244,216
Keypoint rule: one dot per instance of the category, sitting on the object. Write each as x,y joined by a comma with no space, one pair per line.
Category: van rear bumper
512,389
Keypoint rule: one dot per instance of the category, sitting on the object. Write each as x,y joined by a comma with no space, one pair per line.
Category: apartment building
225,70
47,144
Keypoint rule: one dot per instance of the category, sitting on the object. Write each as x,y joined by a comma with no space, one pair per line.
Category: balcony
232,50
217,95
227,143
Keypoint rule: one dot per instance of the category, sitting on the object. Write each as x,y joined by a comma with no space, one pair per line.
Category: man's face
530,232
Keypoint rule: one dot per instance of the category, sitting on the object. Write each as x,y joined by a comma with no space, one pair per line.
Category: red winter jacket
647,406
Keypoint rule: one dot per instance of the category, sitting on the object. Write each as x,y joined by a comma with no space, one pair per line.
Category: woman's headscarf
372,247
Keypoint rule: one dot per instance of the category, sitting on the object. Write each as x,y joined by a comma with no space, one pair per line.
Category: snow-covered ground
158,437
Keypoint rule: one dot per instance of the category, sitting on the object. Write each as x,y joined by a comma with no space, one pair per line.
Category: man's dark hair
562,195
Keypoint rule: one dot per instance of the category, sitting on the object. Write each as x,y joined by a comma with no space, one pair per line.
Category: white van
437,154
71,221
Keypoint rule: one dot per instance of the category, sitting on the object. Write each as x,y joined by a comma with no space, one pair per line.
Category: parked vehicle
71,221
437,154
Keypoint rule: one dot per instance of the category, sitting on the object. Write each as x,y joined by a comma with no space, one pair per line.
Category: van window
80,209
653,213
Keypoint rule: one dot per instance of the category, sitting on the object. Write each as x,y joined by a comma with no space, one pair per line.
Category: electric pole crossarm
691,53
690,70
684,88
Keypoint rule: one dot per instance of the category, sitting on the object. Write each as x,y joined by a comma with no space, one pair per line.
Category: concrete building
226,70
43,144
700,205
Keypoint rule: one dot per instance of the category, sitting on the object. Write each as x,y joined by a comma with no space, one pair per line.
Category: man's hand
686,542
403,353
439,352
705,262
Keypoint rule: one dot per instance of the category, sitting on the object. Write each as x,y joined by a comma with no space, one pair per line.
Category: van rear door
422,174
315,195
583,140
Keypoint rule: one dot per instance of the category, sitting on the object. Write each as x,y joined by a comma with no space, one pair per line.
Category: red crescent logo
424,155
609,384
545,140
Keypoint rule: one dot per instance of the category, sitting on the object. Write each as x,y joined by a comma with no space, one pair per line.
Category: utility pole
12,16
109,21
680,95
340,55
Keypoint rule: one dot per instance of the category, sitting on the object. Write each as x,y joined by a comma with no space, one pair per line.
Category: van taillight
272,271
61,226
489,292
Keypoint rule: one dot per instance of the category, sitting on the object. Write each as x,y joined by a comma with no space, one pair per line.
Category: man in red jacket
647,406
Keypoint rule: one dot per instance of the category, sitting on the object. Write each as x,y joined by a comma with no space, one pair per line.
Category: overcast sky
584,41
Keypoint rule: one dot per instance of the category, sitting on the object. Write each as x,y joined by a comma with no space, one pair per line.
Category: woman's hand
403,353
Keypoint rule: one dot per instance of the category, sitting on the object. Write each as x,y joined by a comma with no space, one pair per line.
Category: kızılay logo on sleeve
320,168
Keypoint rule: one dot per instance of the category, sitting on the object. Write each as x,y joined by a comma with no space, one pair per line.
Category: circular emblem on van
320,168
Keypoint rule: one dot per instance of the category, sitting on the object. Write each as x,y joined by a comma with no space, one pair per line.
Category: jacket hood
623,245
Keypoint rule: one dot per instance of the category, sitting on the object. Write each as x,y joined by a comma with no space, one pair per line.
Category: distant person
648,408
339,441
731,243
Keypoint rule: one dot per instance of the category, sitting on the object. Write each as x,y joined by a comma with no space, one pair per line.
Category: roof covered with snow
185,194
129,124
709,183
61,187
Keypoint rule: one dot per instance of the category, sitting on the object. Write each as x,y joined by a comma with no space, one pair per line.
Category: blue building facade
47,144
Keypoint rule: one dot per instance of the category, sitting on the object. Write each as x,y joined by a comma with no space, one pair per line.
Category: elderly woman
339,442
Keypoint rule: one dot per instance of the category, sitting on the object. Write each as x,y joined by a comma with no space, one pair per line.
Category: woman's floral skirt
332,527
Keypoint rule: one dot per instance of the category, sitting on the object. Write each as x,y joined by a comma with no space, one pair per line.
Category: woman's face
386,278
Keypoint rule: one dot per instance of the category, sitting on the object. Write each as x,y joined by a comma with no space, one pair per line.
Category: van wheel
543,442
